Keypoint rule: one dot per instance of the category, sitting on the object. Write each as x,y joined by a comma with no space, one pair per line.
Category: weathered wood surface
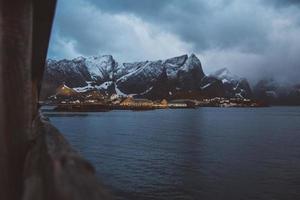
17,101
50,170
53,170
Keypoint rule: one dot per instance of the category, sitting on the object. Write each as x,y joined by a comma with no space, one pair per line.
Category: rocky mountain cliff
178,77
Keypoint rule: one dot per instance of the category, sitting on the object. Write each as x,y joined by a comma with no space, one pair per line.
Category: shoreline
107,108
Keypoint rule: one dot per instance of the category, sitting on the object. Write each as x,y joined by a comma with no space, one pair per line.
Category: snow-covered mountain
234,85
177,77
95,68
180,73
80,73
101,68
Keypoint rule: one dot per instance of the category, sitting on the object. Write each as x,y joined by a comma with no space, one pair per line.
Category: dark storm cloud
249,37
205,24
85,29
284,2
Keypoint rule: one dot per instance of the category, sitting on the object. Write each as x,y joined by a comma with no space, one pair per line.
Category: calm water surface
205,153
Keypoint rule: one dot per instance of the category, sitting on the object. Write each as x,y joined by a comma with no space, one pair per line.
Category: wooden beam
23,47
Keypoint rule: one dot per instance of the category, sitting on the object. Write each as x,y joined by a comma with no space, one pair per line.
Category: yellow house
131,102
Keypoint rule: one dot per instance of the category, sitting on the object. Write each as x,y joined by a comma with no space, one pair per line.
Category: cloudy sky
257,38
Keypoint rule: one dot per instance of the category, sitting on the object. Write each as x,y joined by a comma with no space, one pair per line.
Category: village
67,100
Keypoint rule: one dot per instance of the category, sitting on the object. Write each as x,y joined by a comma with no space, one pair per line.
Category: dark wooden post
24,34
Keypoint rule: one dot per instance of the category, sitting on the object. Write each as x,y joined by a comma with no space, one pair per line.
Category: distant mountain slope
277,94
233,84
176,77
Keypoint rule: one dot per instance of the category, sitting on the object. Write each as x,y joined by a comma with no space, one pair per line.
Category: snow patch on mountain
139,80
173,65
147,91
105,85
192,63
100,66
127,68
206,86
85,88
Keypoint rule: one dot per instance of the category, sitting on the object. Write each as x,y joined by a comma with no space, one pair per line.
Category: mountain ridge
169,78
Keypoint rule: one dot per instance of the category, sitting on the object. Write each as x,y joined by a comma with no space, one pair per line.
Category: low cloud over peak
252,38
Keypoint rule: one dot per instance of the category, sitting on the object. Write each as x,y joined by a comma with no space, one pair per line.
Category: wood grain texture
20,74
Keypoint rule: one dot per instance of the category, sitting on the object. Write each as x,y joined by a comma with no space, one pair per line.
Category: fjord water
205,153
